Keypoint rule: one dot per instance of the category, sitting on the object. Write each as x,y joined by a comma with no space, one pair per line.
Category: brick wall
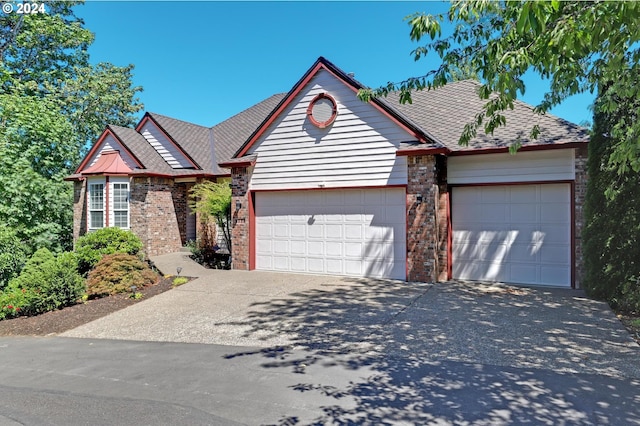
158,214
240,218
580,187
426,221
79,209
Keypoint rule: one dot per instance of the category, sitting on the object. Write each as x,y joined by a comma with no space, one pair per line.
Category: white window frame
109,206
92,194
118,208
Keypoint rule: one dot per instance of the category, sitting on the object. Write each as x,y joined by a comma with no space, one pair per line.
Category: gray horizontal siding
358,149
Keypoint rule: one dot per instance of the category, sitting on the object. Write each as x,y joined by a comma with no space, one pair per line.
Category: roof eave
505,149
422,151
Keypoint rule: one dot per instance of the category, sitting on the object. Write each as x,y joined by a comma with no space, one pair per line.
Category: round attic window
322,110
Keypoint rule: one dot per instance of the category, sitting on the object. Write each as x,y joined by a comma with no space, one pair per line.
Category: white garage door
512,233
337,232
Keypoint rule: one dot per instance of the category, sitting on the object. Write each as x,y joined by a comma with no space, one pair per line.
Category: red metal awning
109,163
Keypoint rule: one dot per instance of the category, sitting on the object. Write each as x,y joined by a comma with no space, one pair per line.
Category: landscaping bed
61,320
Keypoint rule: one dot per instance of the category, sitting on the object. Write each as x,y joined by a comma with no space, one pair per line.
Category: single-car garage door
512,233
357,232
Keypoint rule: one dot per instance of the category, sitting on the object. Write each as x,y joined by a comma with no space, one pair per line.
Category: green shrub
179,281
90,248
47,283
13,255
14,302
117,273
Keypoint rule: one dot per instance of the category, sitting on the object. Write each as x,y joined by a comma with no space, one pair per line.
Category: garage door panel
496,213
512,233
524,213
282,247
314,265
552,275
555,255
315,230
525,195
353,231
353,249
554,213
333,231
335,267
521,270
555,233
281,263
314,248
347,232
493,195
555,194
297,230
298,264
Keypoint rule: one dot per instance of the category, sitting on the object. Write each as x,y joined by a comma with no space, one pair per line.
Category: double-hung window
96,205
121,205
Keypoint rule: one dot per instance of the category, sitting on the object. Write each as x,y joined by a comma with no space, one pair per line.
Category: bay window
108,202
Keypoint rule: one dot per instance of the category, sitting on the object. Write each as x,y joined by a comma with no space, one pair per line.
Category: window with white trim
121,205
96,205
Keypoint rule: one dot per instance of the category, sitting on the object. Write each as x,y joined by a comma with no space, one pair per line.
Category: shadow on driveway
453,353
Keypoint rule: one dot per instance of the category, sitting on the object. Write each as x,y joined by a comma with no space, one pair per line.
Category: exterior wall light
419,199
238,205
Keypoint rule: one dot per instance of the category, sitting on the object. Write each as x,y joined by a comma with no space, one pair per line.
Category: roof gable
108,141
324,65
169,142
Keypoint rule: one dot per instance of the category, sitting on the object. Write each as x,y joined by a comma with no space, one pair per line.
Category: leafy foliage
579,46
13,302
612,213
212,200
12,255
118,273
53,102
92,247
46,283
178,281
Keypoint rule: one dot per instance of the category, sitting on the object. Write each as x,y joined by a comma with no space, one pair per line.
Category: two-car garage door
359,232
512,233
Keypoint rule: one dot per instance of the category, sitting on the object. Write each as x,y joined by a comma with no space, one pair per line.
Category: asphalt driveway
556,329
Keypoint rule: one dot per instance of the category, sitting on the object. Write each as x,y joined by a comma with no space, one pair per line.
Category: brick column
422,227
580,191
240,218
79,209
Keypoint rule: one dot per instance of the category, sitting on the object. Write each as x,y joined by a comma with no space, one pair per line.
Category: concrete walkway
497,325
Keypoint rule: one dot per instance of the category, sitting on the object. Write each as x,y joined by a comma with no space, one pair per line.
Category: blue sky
205,61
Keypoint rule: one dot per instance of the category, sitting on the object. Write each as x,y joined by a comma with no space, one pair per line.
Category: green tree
577,45
12,256
212,200
53,103
612,216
